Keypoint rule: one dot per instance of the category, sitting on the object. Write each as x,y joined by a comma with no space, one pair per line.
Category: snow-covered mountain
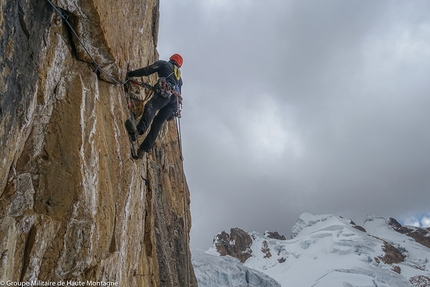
330,251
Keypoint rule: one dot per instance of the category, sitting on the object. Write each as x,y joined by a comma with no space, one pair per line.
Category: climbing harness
165,88
162,87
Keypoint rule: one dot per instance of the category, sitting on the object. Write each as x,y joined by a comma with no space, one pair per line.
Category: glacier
227,271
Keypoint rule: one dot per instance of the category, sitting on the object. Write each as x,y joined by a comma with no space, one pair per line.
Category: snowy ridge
329,251
307,220
417,256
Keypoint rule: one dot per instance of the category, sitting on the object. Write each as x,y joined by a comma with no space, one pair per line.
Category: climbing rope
143,85
64,16
185,227
178,129
127,86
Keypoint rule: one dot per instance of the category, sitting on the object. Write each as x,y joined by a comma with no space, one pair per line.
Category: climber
166,100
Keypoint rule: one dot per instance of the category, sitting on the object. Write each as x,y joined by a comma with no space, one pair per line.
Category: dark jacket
163,68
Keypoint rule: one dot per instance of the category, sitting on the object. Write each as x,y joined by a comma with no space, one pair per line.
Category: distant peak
375,218
274,235
307,220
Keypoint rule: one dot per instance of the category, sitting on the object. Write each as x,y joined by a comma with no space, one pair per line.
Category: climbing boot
140,153
132,130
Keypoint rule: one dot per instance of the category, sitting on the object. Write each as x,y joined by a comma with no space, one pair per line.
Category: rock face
236,244
73,204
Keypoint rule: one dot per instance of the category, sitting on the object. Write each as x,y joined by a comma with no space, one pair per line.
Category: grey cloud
293,106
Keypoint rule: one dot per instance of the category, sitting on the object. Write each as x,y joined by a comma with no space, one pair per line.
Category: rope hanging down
185,227
64,16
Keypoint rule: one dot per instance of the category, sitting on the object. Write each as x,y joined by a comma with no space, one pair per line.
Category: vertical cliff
73,204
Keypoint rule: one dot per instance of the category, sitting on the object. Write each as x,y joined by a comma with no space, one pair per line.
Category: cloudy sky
298,106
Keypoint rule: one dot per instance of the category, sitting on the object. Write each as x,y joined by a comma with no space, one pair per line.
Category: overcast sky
301,106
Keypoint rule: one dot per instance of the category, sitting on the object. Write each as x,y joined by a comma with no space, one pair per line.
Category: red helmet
177,58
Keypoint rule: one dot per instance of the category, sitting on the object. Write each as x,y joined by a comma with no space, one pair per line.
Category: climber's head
177,58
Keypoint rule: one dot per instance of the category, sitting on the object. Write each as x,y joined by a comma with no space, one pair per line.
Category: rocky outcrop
357,226
73,204
266,250
391,254
236,244
421,235
274,235
420,281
